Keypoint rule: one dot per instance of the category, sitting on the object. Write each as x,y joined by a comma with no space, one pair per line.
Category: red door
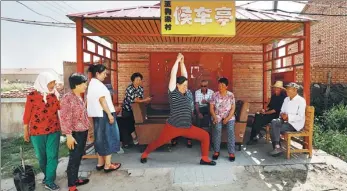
208,66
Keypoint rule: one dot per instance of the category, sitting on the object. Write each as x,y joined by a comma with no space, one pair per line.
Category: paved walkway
179,168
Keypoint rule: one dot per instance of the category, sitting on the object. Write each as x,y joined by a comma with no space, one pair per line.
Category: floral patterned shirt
41,118
130,94
222,105
73,114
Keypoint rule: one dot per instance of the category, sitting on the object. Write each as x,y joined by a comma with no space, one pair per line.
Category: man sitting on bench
202,108
263,117
292,117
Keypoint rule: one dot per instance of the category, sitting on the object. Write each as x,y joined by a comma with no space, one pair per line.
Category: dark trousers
126,127
278,127
205,121
260,121
76,156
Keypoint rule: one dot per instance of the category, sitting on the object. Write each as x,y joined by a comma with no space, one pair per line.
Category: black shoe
211,163
143,160
126,146
252,142
81,182
215,156
189,144
231,159
98,168
173,143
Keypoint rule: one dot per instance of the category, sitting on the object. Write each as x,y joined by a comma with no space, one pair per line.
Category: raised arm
183,68
173,75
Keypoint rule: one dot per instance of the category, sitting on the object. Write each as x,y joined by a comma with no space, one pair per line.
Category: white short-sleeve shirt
96,90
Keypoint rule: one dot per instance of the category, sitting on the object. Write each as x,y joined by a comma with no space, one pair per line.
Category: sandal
98,168
113,167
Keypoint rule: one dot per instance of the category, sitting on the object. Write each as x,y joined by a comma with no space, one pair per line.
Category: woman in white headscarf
41,125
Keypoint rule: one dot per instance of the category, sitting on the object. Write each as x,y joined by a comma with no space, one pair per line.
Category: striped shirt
180,110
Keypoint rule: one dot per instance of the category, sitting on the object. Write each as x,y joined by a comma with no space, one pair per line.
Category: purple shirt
222,105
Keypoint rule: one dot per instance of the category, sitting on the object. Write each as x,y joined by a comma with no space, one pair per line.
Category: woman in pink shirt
222,108
75,124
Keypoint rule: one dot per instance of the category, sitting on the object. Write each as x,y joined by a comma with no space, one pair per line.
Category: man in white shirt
292,117
202,99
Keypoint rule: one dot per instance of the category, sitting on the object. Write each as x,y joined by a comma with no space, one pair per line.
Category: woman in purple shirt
222,108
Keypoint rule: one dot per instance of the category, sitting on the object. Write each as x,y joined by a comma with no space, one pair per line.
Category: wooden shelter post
264,78
307,64
79,45
115,71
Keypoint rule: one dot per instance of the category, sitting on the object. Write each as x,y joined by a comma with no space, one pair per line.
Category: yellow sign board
207,18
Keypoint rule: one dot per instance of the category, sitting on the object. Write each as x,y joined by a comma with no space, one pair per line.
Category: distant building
27,75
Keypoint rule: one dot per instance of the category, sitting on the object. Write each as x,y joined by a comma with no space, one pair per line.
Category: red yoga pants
169,132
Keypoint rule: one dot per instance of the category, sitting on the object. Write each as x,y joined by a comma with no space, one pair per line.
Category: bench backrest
241,111
309,119
140,111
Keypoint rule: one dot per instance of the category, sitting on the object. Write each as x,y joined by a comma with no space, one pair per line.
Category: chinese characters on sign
223,15
198,18
167,16
183,15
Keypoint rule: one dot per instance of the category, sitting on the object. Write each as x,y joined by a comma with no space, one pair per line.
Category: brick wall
328,42
247,77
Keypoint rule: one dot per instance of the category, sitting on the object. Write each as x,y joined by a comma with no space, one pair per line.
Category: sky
31,46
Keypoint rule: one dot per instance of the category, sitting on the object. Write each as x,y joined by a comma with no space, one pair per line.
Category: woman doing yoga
180,119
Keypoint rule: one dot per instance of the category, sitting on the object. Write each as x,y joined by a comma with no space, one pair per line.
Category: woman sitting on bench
180,119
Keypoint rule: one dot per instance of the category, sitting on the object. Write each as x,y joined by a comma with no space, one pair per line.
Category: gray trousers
217,136
277,127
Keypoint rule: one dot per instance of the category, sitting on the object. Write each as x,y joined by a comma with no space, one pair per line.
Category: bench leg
238,146
267,128
288,138
310,146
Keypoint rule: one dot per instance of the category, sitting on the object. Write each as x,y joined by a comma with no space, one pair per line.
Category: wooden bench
240,125
306,133
90,141
147,130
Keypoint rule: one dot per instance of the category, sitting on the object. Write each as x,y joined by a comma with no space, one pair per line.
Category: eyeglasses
203,86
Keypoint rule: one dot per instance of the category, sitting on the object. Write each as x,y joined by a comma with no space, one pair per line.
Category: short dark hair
223,81
136,75
96,68
181,79
76,79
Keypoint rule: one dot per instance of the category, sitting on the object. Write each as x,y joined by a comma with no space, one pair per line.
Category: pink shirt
73,114
222,105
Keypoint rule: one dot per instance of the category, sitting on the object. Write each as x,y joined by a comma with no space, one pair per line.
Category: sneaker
52,187
135,141
276,152
121,151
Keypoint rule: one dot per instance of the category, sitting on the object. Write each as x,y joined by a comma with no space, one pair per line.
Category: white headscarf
41,83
